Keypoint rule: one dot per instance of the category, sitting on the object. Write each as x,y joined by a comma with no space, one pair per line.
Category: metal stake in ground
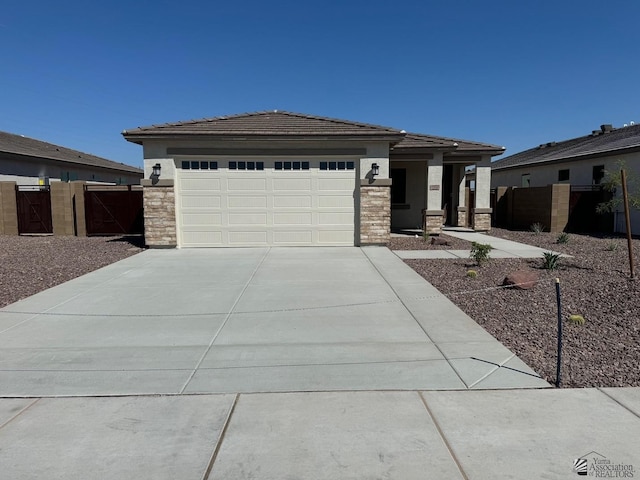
625,198
559,357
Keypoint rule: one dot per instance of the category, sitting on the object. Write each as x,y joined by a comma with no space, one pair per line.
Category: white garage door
265,202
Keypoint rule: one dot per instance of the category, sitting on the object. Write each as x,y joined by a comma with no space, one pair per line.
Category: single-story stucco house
282,178
28,161
580,161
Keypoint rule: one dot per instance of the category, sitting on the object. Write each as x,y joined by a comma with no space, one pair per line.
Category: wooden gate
113,210
34,209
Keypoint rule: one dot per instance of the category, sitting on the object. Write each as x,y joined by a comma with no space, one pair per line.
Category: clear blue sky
507,72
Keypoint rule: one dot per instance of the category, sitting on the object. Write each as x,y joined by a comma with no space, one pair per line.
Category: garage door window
291,166
337,165
197,165
246,165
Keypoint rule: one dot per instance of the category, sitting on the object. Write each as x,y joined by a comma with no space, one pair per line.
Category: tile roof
21,145
417,140
269,123
603,141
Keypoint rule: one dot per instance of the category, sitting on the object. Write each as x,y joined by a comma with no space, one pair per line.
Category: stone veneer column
159,202
375,212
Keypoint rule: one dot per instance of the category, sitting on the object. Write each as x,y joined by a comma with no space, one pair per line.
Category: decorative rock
438,241
521,279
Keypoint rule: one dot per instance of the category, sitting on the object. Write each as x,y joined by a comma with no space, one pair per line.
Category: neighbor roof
21,145
274,123
413,141
605,141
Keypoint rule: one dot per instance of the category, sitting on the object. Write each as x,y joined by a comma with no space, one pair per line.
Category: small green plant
612,247
576,319
425,236
550,260
537,228
563,238
472,274
480,252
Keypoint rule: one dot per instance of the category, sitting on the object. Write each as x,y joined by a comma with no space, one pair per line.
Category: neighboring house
580,162
281,178
27,161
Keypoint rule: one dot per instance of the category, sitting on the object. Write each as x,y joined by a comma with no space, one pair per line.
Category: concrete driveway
260,330
248,320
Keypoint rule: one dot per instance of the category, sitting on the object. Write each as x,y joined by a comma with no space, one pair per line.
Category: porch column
482,211
462,198
434,215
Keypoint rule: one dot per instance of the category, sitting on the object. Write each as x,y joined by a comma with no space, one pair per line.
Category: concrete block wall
375,214
8,209
519,208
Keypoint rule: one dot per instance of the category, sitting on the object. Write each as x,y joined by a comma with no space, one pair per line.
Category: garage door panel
293,218
247,219
247,238
334,218
296,237
335,201
201,201
292,201
291,184
244,201
203,219
332,184
248,184
206,184
335,237
201,238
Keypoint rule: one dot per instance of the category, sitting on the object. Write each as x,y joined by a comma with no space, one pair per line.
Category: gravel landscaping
417,242
595,283
30,264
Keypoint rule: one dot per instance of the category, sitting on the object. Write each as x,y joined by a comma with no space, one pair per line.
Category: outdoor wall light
156,170
375,169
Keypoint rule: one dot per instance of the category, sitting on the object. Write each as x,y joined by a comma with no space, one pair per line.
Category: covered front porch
429,183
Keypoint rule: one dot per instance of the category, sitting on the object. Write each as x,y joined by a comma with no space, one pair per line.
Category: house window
597,175
563,175
526,180
398,185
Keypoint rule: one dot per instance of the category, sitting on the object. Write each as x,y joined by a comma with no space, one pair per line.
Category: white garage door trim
308,201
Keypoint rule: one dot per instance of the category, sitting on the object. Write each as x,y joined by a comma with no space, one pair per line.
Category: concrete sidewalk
319,435
501,248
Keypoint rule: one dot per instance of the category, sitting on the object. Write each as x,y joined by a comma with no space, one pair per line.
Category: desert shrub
550,260
426,235
576,319
612,247
537,228
472,273
480,252
563,238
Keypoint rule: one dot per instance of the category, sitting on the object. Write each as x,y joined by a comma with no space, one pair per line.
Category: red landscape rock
521,279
